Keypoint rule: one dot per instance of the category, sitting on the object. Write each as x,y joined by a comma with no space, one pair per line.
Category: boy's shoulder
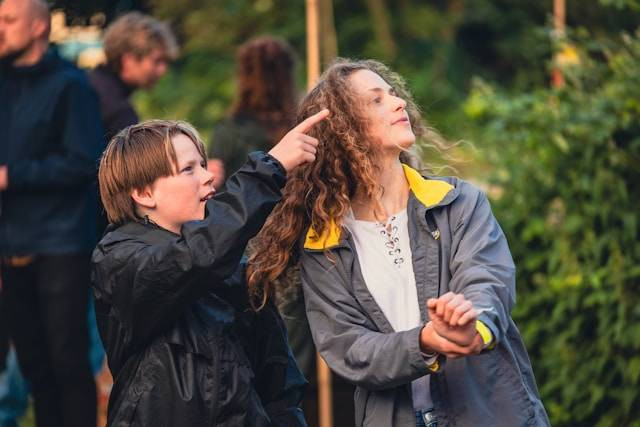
132,231
120,243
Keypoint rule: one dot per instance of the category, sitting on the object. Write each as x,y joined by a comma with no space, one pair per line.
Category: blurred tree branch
328,37
382,27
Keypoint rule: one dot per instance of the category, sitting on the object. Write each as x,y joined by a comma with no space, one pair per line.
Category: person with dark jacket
264,106
138,49
182,343
50,140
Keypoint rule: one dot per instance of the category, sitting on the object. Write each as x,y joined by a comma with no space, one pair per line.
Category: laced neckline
388,231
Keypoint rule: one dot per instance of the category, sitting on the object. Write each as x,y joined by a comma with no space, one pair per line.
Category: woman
264,107
408,280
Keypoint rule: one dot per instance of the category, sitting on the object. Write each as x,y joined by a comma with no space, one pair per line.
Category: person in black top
50,140
264,106
182,342
138,50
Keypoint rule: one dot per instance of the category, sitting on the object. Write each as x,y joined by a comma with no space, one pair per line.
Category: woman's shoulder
465,190
466,198
463,185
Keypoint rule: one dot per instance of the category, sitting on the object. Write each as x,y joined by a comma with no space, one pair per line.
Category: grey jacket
458,246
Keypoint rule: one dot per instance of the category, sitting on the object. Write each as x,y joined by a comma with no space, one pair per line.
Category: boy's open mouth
208,196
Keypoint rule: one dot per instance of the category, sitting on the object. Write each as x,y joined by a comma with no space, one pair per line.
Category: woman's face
389,123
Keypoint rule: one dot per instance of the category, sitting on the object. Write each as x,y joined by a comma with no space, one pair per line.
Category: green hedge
566,185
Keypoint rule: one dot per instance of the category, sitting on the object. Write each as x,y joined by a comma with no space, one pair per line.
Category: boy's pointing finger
310,121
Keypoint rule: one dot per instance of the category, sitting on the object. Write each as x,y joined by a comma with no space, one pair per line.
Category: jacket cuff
488,336
268,159
417,358
435,363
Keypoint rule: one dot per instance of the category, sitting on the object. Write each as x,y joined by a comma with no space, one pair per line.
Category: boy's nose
208,177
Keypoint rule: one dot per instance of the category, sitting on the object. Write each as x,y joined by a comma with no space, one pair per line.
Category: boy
172,309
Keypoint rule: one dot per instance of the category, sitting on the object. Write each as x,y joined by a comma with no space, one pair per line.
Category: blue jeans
96,350
426,419
13,392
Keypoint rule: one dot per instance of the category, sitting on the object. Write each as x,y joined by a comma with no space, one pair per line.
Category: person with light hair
407,277
138,49
182,343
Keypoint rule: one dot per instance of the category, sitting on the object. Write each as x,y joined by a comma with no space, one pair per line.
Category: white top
384,254
385,260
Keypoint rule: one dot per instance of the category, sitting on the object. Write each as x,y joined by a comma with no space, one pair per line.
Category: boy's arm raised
164,277
239,212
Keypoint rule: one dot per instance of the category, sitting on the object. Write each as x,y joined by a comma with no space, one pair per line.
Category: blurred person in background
50,140
138,49
264,107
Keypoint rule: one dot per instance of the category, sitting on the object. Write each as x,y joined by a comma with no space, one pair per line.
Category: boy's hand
453,318
296,148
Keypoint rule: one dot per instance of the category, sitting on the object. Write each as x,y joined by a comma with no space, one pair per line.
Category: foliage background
567,170
561,165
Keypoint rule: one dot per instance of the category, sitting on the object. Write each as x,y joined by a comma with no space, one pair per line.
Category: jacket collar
429,192
107,73
49,60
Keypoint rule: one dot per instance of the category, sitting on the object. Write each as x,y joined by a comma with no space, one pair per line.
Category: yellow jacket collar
429,192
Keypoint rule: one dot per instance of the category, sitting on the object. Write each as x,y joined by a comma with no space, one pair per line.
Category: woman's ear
144,197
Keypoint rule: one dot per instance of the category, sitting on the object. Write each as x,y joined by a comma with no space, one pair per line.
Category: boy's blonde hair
134,159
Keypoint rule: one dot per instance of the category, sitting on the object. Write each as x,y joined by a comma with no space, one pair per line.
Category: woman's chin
399,145
406,144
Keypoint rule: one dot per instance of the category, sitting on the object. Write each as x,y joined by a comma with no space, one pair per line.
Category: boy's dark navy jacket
50,139
183,345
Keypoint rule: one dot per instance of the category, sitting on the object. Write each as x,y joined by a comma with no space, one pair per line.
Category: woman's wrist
426,340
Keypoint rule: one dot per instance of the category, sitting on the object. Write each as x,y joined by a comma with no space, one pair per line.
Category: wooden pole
559,19
313,44
559,16
325,403
325,395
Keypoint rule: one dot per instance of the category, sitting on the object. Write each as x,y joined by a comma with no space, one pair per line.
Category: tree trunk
328,38
382,27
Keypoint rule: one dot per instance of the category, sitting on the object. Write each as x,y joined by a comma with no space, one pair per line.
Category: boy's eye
187,169
377,100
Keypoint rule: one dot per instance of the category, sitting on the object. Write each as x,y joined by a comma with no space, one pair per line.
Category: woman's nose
400,104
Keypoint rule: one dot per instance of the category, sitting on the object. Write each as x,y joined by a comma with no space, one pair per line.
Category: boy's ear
144,197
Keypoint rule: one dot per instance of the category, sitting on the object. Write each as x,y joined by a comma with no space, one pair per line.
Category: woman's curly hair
319,193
